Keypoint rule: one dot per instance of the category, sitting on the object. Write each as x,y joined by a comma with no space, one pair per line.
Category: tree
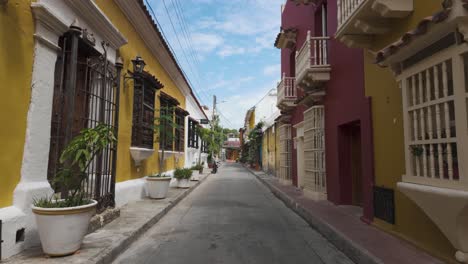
163,128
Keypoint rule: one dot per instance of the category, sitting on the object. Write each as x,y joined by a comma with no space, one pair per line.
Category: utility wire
170,47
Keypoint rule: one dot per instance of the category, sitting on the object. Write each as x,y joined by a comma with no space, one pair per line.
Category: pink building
325,126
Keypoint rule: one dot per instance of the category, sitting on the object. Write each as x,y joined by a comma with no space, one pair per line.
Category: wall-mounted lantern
138,68
138,64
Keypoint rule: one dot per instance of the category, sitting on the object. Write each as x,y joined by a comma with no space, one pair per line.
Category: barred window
168,134
192,133
204,146
180,129
145,86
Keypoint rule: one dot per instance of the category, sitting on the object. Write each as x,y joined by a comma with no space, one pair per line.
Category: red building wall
299,17
345,105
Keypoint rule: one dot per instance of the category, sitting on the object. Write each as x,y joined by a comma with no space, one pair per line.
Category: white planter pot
62,230
183,183
157,186
195,176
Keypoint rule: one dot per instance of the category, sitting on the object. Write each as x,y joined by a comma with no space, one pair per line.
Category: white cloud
272,70
236,106
227,50
205,42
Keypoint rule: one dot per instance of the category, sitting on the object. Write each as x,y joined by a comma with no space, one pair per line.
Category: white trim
98,21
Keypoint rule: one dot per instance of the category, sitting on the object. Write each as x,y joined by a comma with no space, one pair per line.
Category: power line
170,47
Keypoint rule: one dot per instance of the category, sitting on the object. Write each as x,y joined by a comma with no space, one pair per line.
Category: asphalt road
232,218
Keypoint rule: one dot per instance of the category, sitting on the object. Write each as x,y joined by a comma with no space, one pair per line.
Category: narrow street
232,218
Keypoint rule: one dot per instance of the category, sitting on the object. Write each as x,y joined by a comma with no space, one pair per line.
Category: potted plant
196,171
63,221
183,177
158,185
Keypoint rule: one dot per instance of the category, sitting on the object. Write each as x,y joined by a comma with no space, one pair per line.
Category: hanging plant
417,150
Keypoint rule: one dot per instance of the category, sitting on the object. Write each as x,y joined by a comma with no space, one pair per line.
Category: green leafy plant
158,175
255,143
417,150
182,174
75,160
163,128
197,167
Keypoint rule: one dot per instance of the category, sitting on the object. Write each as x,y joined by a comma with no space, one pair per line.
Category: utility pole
213,123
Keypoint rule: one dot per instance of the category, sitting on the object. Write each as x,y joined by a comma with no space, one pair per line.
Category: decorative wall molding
98,21
46,18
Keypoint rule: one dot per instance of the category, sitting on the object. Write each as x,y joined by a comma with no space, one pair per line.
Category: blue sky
226,49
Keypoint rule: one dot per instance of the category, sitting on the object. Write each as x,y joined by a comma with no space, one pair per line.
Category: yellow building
68,65
417,100
269,152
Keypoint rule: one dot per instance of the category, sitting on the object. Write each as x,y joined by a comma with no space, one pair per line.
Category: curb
355,252
109,255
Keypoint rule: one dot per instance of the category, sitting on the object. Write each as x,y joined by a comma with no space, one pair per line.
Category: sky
225,48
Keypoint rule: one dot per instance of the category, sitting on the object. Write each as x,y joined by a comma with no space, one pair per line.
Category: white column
33,181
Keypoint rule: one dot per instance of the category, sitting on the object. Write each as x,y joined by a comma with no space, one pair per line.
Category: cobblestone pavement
232,218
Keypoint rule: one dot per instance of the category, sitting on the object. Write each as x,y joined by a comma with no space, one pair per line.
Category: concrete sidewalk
363,243
104,245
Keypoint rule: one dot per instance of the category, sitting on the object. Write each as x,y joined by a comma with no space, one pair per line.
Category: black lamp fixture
138,64
138,67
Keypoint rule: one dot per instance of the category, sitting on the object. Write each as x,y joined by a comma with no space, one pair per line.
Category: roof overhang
452,18
305,2
286,38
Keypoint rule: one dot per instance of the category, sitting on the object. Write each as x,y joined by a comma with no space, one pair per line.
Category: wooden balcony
312,66
360,20
287,93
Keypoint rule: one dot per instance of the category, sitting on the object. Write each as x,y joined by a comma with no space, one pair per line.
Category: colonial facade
402,120
73,65
325,123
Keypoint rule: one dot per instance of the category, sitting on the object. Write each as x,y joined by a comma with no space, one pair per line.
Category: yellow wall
16,58
136,46
411,222
252,120
269,150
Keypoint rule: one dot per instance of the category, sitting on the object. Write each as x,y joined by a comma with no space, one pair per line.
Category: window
204,146
145,87
169,135
86,92
435,112
192,133
314,149
285,152
180,129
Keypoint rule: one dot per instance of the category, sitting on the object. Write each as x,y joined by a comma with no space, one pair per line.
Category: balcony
287,93
360,20
312,67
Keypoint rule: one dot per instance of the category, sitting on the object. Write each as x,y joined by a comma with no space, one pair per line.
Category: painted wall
411,222
346,104
16,58
299,17
266,107
269,149
192,155
136,46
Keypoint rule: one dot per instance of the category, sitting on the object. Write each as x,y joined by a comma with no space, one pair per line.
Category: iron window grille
167,134
86,94
384,204
145,86
180,115
204,147
192,133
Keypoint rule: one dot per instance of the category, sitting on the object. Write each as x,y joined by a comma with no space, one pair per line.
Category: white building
194,152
